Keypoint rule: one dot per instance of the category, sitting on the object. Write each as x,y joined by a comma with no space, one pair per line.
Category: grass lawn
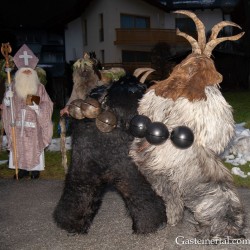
53,169
240,101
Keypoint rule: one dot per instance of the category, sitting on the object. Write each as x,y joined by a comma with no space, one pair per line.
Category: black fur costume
100,160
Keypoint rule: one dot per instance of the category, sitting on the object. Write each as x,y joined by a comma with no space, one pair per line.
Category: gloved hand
6,101
9,94
35,107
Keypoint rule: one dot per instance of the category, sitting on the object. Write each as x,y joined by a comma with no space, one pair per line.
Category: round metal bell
138,125
157,133
106,121
182,137
91,108
75,109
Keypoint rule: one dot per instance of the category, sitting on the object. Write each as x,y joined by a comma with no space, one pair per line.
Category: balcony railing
148,37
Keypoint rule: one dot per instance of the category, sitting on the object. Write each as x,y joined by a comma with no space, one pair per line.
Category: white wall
111,10
208,17
73,40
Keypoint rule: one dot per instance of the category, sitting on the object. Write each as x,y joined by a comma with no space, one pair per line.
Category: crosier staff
62,124
6,50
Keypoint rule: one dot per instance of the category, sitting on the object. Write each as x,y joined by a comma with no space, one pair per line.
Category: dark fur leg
146,209
79,203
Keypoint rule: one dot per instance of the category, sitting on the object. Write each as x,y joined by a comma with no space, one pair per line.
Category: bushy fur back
100,160
194,178
84,80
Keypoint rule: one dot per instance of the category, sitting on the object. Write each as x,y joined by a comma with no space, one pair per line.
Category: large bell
91,108
138,125
75,109
106,121
182,137
157,133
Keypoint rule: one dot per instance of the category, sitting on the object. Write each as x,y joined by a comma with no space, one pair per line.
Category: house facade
125,31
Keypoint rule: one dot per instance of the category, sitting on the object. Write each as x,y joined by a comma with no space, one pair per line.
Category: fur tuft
100,160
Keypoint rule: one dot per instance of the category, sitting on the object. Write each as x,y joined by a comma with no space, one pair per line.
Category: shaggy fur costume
100,160
85,77
194,178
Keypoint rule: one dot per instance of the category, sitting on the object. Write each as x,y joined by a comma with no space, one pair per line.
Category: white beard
26,84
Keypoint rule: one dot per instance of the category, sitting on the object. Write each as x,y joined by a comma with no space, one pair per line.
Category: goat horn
144,77
139,71
217,28
213,43
199,27
195,46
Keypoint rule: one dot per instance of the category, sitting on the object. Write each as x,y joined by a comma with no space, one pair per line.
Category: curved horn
195,46
213,43
217,28
139,71
199,27
144,77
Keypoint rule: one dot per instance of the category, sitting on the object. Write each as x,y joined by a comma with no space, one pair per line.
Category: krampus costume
86,76
100,159
193,177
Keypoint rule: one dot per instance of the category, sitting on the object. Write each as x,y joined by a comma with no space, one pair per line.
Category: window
102,56
135,22
52,54
85,32
101,30
136,56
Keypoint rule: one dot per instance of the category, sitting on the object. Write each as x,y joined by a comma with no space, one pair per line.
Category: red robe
33,132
